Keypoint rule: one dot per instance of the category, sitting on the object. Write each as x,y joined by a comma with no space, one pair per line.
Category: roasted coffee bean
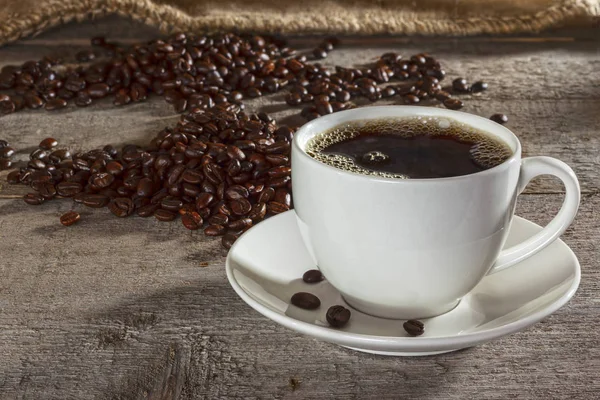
164,215
499,118
69,218
236,192
267,195
276,208
48,143
442,95
307,301
33,101
460,85
479,86
98,90
257,212
83,99
192,176
68,189
204,200
13,177
147,210
192,220
218,219
388,92
7,107
279,172
414,327
319,53
102,180
214,230
95,200
240,224
312,276
171,203
293,99
240,206
453,104
121,206
228,240
55,104
33,199
47,190
338,316
5,163
7,152
411,99
283,196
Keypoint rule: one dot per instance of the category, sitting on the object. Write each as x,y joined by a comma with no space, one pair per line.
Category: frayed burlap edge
352,22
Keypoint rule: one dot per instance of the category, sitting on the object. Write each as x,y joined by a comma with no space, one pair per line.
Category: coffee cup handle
530,168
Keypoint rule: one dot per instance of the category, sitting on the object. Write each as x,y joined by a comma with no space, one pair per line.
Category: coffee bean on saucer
69,218
312,276
414,327
499,118
338,316
308,301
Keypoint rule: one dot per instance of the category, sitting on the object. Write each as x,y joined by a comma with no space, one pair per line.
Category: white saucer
266,264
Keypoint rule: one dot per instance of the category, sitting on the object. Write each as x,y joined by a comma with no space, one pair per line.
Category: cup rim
416,111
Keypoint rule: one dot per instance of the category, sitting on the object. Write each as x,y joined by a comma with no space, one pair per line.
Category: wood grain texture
138,309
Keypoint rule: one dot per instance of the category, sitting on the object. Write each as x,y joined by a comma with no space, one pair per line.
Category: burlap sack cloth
20,18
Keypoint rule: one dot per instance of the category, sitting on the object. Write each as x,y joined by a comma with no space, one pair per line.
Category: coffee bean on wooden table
215,230
338,316
228,240
68,189
69,218
192,220
55,104
5,163
453,104
34,199
312,276
13,177
95,200
121,206
6,152
47,190
307,301
414,327
48,143
499,118
164,215
460,85
479,86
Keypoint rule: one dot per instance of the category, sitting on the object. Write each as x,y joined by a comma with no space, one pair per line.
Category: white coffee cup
412,248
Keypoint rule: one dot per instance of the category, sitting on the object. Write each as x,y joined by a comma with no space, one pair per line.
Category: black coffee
416,147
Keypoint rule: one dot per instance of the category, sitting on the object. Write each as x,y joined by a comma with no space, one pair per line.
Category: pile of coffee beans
6,153
192,71
218,169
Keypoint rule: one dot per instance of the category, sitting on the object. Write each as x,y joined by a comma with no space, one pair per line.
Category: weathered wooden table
134,308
